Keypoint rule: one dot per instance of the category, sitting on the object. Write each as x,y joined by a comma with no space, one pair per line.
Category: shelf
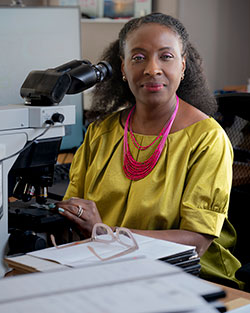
104,20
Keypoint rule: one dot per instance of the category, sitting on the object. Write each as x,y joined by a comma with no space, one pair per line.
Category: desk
234,298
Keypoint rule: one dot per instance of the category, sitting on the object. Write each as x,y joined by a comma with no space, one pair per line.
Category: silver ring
80,211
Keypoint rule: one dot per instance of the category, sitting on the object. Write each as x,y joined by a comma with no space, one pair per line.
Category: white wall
97,35
220,30
169,7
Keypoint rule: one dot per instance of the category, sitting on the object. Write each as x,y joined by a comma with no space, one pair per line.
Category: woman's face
153,63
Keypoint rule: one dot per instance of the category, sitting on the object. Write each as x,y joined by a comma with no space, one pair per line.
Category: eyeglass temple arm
113,256
53,240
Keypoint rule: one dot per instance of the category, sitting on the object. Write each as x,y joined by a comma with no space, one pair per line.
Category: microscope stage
33,216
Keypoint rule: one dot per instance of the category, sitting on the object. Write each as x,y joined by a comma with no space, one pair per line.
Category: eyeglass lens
103,232
124,237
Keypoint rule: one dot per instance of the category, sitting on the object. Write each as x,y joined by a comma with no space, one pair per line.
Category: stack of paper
78,254
136,285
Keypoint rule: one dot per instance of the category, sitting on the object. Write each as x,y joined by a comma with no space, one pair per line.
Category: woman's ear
184,63
122,66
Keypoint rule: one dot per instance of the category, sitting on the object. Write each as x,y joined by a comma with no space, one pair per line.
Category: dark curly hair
114,93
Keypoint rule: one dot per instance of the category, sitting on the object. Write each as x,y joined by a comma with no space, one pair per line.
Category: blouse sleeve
206,195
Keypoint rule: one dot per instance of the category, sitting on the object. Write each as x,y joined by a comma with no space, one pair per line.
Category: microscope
30,138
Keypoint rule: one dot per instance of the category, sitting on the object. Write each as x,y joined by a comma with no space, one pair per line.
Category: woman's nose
152,68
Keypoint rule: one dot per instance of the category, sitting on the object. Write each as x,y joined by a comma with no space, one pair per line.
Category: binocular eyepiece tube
42,88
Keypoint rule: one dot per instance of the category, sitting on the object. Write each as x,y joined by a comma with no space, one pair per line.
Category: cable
31,142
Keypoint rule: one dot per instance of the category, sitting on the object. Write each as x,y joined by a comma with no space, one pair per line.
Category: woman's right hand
82,213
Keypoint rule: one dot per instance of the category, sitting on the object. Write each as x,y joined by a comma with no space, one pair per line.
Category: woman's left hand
83,213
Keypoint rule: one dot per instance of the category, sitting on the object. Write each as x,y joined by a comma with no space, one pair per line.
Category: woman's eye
166,56
138,57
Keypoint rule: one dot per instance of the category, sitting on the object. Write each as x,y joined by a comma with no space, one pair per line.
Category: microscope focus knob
57,118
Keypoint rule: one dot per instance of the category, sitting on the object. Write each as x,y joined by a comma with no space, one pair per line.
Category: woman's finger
72,216
74,210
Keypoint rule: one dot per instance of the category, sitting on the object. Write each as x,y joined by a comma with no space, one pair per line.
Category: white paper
79,254
133,298
107,273
194,284
1,187
136,286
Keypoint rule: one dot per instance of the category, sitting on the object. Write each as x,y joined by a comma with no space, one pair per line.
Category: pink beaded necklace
137,170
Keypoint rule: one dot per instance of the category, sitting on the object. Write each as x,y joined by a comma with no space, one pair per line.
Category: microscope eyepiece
85,75
103,70
50,86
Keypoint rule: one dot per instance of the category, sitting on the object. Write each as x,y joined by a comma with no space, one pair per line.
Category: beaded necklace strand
137,170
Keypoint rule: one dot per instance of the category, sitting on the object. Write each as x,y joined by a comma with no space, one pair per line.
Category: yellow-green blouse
188,188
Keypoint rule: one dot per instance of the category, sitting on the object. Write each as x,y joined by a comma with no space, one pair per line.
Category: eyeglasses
102,233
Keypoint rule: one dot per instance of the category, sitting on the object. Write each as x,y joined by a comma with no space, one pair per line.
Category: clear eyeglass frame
100,229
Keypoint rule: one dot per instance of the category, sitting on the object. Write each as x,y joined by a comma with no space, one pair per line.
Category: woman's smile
153,87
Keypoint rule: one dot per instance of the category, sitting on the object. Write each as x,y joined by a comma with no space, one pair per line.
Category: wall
97,35
220,29
169,7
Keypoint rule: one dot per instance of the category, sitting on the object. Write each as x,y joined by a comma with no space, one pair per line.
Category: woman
154,161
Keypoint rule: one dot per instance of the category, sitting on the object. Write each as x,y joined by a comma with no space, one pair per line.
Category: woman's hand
83,213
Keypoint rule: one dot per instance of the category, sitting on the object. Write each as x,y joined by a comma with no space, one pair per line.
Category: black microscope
31,176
